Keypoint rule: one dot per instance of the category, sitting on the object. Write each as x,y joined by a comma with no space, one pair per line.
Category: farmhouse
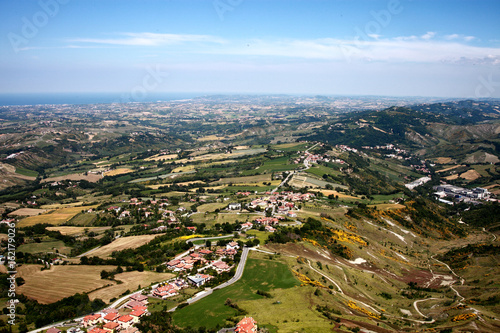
269,228
246,226
232,246
246,325
234,206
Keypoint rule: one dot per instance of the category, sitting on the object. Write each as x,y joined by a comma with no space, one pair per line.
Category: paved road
88,252
236,277
239,270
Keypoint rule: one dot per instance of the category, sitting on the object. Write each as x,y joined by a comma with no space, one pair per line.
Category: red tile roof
111,325
246,325
137,313
97,330
111,316
125,319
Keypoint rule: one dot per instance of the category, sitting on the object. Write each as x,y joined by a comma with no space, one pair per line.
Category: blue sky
392,47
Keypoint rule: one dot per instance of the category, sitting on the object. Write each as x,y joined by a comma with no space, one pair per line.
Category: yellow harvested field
244,180
443,160
388,206
183,168
161,157
49,286
131,281
450,168
155,187
328,192
470,175
76,230
58,206
211,138
27,212
55,217
452,177
123,243
93,178
288,145
119,171
495,188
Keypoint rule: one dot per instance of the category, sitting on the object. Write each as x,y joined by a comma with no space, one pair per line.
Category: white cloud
425,48
428,35
150,39
451,37
460,37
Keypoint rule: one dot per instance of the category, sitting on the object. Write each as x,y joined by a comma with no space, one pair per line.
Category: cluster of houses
308,158
169,289
112,320
460,194
187,262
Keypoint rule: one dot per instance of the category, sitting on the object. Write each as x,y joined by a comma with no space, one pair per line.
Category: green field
45,246
263,275
320,170
26,172
260,235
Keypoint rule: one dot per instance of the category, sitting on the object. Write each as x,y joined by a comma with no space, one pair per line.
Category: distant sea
88,98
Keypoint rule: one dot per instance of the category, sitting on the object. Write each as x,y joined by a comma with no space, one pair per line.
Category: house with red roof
97,330
232,246
221,266
166,291
92,320
126,321
111,326
139,298
246,325
137,314
53,330
111,317
133,304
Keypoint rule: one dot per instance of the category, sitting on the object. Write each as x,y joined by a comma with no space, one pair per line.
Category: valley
357,215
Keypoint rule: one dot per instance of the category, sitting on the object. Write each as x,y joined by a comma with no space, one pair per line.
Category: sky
432,48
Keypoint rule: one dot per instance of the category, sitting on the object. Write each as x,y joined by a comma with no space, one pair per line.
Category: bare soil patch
56,217
93,178
49,286
470,175
27,212
76,230
123,243
131,281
